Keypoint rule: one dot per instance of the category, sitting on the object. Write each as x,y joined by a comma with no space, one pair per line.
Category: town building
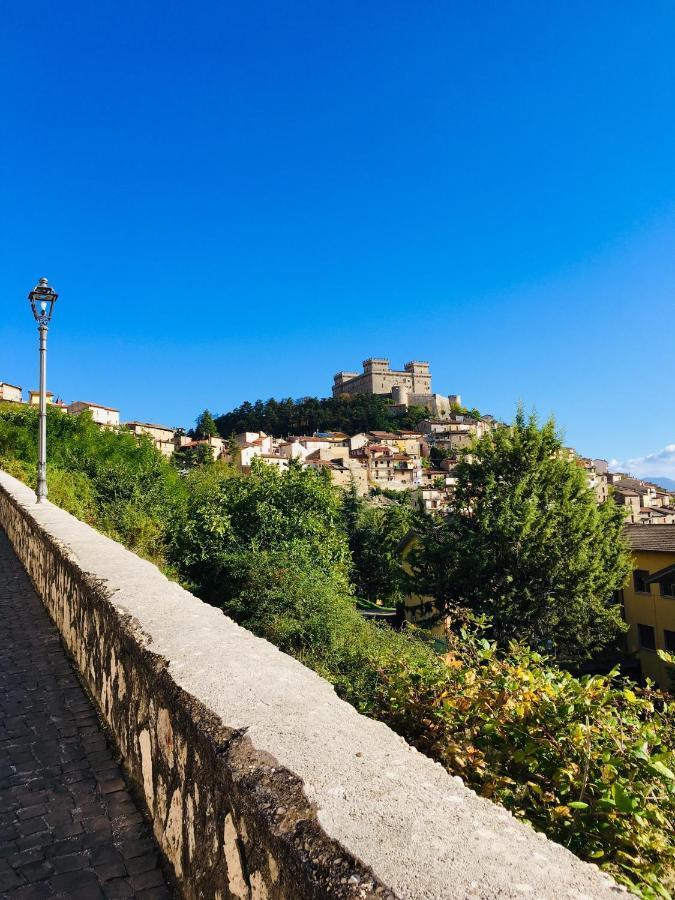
182,441
455,433
34,398
410,386
387,467
327,452
162,435
251,445
649,599
433,497
102,415
409,442
645,503
10,392
596,477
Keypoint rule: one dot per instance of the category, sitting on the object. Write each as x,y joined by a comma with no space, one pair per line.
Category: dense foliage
227,521
588,761
112,480
526,542
349,414
375,531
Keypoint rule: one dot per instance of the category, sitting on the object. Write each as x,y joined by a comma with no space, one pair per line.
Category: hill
360,412
662,481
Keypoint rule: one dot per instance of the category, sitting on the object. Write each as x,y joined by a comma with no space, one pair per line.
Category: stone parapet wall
262,784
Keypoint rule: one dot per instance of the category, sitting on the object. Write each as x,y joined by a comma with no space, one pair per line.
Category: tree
438,454
349,413
205,426
525,542
193,457
374,535
266,511
288,599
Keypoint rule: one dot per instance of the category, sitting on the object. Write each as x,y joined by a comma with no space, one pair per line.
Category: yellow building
34,398
649,598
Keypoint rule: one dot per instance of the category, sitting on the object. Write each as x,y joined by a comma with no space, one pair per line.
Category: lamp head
42,299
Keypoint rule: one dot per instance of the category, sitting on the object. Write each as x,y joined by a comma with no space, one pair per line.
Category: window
640,577
669,640
646,637
668,586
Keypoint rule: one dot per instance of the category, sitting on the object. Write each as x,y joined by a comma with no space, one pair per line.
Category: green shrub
293,602
73,492
108,478
590,761
226,518
18,469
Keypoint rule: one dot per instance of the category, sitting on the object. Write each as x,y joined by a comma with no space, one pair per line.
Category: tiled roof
651,537
97,405
151,425
640,485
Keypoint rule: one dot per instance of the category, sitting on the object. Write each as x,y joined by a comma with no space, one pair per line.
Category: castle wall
378,378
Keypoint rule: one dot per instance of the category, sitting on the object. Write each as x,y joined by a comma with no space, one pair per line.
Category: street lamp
42,299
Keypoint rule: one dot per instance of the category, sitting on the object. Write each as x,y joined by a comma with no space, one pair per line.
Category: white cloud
653,464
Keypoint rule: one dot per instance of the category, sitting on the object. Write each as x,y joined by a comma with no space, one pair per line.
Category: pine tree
205,426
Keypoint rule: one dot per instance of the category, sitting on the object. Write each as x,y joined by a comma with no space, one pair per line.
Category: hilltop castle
409,387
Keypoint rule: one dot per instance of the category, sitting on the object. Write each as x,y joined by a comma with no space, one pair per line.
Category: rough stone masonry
260,783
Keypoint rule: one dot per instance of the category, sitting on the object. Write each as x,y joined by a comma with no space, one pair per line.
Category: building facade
162,435
649,600
410,386
645,503
378,378
102,415
11,392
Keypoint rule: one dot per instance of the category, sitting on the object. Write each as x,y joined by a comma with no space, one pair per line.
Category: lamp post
42,299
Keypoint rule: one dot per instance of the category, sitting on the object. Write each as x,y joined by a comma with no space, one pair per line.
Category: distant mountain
667,483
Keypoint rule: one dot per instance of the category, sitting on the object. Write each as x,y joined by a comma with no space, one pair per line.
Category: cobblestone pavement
68,825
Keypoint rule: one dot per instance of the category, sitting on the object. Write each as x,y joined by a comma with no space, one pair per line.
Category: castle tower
375,366
421,376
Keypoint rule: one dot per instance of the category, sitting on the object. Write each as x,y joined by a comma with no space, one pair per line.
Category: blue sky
238,200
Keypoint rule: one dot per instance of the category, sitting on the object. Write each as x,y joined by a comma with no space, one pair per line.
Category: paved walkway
68,825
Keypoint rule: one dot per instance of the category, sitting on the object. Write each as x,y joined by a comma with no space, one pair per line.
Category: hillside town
420,462
418,466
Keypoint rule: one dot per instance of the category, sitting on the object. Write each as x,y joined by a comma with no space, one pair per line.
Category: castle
409,387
